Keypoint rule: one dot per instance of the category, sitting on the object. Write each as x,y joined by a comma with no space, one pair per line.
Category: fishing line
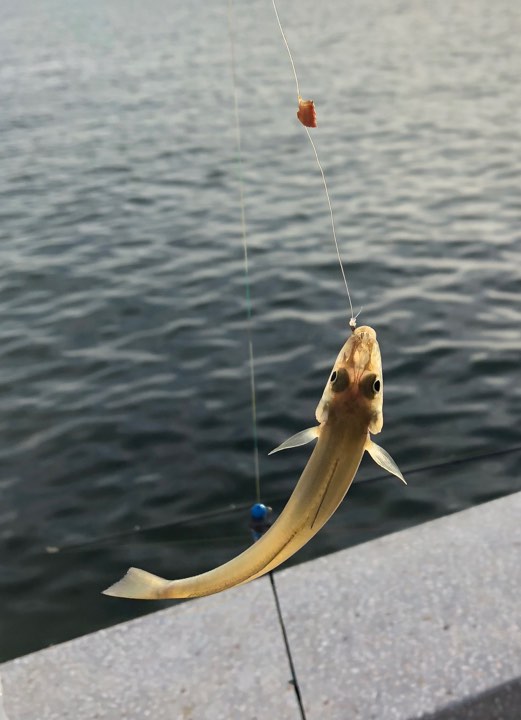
199,541
238,539
352,322
287,48
244,233
221,512
294,680
462,461
250,341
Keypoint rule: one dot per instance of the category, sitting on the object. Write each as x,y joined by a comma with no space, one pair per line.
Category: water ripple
123,353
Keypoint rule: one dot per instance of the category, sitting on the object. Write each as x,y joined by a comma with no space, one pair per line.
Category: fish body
350,409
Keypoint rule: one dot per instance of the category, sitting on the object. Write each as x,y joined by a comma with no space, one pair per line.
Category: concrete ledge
424,623
412,623
212,660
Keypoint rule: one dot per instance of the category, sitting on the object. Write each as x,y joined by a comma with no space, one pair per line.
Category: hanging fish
306,112
350,409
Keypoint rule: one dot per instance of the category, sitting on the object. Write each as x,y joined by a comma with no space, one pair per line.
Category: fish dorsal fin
382,458
301,438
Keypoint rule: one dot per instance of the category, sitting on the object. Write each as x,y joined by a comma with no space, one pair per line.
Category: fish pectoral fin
382,458
301,438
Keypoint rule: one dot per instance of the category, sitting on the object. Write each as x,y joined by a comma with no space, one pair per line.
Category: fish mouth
365,331
364,356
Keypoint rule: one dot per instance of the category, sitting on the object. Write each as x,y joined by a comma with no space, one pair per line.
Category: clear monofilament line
110,540
353,318
352,322
244,234
287,47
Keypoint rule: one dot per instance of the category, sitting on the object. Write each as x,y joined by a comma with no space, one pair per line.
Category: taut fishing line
310,107
244,233
221,512
258,528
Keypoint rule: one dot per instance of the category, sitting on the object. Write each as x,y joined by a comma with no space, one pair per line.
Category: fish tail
139,585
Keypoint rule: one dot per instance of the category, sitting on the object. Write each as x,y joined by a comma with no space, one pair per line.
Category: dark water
123,356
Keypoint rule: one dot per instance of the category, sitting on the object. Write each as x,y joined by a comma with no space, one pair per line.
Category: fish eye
371,385
339,380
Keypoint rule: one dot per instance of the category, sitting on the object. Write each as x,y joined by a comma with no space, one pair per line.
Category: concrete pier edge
423,623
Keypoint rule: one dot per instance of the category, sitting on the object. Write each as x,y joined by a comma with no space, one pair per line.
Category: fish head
355,384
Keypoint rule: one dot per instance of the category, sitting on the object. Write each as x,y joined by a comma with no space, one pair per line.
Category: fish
349,412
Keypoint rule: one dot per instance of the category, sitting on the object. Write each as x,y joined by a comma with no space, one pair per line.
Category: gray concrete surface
195,661
424,623
501,703
413,622
3,716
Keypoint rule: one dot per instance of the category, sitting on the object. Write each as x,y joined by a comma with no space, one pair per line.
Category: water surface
125,402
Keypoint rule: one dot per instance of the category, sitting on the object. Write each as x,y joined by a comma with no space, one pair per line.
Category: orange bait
306,112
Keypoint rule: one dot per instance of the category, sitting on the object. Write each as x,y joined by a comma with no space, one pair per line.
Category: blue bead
259,511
